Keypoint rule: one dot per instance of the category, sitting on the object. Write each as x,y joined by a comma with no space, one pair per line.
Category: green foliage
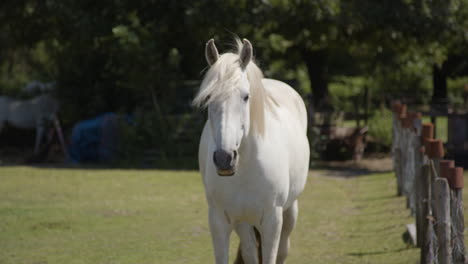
380,126
20,66
441,127
347,92
154,140
119,55
407,75
138,136
457,90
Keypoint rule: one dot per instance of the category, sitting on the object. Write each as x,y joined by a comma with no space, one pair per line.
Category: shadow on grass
350,169
348,172
346,169
376,198
373,253
173,164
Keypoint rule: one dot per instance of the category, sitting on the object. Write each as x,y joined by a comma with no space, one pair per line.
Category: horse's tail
240,260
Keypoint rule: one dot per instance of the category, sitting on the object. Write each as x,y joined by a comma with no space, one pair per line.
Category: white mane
218,82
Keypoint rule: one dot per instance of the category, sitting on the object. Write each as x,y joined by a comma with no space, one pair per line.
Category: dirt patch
352,168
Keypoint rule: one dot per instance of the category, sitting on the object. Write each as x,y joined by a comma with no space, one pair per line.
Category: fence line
432,187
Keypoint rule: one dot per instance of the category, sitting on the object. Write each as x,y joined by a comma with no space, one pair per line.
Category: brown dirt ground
352,168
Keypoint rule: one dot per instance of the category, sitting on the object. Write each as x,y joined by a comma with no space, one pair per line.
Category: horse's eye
246,98
207,99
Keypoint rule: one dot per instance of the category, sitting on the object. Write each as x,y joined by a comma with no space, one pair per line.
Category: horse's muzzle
226,172
225,162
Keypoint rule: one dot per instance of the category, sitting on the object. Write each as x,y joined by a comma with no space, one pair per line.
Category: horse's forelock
226,70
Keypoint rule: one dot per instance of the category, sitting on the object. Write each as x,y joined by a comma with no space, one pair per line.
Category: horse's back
284,96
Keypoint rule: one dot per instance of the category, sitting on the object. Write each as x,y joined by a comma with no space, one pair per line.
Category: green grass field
150,216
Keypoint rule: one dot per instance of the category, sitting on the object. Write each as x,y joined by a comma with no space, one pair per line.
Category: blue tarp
95,139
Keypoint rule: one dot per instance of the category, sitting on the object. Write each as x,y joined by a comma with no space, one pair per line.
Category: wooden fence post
395,106
418,163
443,222
432,186
427,253
427,132
435,151
423,186
412,125
455,177
403,146
401,113
419,198
406,158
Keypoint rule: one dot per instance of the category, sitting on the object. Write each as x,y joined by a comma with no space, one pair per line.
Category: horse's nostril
224,159
234,155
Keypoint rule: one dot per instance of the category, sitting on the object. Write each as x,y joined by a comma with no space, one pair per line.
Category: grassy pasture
152,216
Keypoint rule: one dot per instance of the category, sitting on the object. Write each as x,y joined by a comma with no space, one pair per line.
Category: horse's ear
211,52
246,54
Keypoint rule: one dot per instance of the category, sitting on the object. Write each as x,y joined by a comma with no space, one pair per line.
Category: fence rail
432,187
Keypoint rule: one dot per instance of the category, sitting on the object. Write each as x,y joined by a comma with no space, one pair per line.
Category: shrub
380,127
163,141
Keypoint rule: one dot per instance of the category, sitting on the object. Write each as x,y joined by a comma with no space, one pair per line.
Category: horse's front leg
289,221
270,230
220,228
248,244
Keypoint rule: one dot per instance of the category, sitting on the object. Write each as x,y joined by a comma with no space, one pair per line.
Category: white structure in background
38,87
35,113
29,114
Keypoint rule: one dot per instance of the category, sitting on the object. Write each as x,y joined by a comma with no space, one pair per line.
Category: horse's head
226,93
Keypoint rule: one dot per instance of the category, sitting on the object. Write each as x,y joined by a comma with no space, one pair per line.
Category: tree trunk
317,68
439,95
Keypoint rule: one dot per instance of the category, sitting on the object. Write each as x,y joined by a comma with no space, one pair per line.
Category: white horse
29,114
256,134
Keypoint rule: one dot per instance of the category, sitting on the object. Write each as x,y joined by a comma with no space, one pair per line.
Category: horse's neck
250,146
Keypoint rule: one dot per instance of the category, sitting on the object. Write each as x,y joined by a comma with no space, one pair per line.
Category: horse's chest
244,201
241,207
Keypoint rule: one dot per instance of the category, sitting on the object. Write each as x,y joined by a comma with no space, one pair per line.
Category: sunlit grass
151,216
357,220
441,125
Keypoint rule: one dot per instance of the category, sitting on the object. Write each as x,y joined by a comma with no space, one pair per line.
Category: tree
435,30
311,31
